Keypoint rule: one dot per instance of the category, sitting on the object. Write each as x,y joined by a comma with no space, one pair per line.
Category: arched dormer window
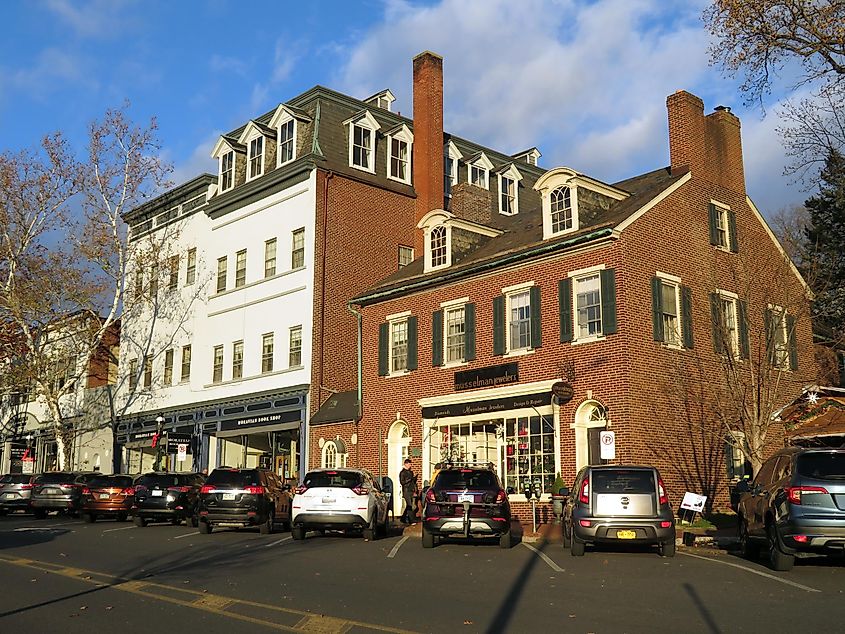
438,226
561,209
437,246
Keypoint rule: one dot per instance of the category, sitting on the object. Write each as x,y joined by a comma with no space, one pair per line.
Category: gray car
795,504
16,492
618,504
59,491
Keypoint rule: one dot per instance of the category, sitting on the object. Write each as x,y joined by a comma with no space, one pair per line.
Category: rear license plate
328,501
626,534
157,494
8,496
466,498
228,496
104,496
50,491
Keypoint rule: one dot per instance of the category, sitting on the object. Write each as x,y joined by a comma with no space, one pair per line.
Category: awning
339,407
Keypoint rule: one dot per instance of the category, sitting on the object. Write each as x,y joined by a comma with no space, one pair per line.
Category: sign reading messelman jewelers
489,406
491,376
264,419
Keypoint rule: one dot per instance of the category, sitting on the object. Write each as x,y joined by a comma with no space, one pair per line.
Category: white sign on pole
607,442
693,502
181,452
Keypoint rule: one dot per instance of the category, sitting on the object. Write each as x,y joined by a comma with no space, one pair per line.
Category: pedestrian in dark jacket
408,481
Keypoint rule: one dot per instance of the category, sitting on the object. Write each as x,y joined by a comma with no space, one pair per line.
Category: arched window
438,246
330,455
561,209
590,419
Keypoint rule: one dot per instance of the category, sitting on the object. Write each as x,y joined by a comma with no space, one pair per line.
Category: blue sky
585,81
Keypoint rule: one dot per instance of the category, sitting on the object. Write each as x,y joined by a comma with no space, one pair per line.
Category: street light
157,444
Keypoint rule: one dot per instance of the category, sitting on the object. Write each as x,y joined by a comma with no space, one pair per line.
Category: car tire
194,521
297,532
4,512
205,528
122,517
576,546
666,549
748,548
40,514
266,527
427,539
139,521
89,518
778,560
505,540
566,540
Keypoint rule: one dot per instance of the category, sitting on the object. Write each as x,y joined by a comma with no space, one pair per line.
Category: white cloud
222,63
197,163
52,68
92,18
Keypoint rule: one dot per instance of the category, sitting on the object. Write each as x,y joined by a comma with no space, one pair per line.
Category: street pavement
60,574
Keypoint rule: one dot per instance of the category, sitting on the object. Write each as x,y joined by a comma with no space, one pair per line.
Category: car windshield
55,478
623,481
159,480
15,478
465,479
233,478
822,465
346,479
110,482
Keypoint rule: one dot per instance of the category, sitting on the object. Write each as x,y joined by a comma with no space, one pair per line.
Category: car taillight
501,496
179,489
360,490
253,490
429,496
794,493
207,488
86,491
67,486
661,490
584,495
26,487
301,489
128,491
665,524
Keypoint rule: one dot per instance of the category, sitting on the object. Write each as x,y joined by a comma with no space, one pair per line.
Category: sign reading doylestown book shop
489,406
263,419
492,376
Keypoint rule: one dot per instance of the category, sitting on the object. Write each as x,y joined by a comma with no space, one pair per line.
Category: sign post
607,443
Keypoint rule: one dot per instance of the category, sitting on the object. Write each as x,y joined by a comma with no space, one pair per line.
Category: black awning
339,407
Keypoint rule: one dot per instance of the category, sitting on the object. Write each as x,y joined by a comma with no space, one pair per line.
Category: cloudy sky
583,80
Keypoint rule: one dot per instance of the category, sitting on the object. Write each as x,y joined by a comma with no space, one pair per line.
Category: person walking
408,482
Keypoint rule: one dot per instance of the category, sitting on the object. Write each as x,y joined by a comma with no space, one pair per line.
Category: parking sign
607,442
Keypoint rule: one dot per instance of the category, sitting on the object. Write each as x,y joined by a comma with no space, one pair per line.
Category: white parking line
544,557
398,546
278,541
125,528
752,570
187,535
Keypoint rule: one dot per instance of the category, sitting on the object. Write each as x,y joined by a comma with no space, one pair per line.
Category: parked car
618,504
466,501
795,504
340,500
16,492
244,497
167,496
59,491
108,496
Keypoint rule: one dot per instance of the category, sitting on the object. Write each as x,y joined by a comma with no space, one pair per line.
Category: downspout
323,276
360,368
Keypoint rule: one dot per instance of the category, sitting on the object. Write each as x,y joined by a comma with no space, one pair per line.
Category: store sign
489,406
135,436
563,391
174,441
492,376
258,421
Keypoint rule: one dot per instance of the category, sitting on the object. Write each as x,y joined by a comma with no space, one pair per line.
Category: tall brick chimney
710,147
428,138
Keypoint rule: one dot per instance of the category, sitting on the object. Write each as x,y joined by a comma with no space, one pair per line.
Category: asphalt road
63,575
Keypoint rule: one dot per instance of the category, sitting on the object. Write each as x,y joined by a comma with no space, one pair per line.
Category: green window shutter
793,343
564,297
656,312
686,316
383,348
437,338
732,232
714,215
769,318
716,323
412,343
536,318
608,301
499,325
742,324
469,332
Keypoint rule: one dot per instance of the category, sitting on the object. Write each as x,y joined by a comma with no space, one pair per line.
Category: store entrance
276,450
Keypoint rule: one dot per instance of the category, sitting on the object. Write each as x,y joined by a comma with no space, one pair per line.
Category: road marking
187,535
34,529
125,528
752,570
284,619
544,557
398,546
278,541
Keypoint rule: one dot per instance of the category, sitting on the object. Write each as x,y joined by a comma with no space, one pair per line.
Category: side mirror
563,491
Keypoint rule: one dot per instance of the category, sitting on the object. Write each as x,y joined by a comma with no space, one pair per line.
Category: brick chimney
428,138
710,147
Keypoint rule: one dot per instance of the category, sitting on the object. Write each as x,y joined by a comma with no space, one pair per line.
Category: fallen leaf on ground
83,607
467,622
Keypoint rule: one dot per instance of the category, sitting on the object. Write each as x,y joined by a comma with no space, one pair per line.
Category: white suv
340,500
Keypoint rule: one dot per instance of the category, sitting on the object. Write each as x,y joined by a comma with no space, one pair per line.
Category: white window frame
577,276
217,361
453,154
781,356
675,282
510,293
511,174
284,123
399,255
295,335
394,322
330,451
167,379
722,226
294,235
452,307
271,253
482,171
237,360
566,190
222,274
185,362
431,233
191,266
366,121
268,360
240,272
728,298
222,172
250,157
402,135
548,227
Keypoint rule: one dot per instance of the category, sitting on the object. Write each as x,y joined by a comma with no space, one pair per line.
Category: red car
108,496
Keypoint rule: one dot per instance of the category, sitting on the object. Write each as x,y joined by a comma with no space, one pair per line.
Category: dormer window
285,122
561,209
509,190
399,141
450,168
362,147
227,171
287,142
478,176
231,160
438,247
256,157
439,227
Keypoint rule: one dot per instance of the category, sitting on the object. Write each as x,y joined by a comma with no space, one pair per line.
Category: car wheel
267,526
666,549
139,521
3,512
89,518
297,532
194,521
576,546
566,540
505,540
427,539
205,528
778,559
371,532
748,547
122,517
40,514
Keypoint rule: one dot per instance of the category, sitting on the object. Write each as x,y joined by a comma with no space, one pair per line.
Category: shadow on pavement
706,616
22,537
509,604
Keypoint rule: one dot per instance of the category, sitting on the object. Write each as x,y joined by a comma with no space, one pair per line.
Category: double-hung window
270,257
455,331
237,360
217,365
780,335
256,157
723,227
450,174
519,320
267,353
671,305
561,209
438,247
222,265
398,346
133,373
227,171
173,282
362,147
728,323
406,255
507,195
399,160
295,356
148,371
287,142
168,367
730,334
588,306
191,270
240,268
478,175
186,364
297,259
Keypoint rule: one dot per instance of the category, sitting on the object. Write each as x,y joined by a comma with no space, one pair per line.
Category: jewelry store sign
490,406
492,376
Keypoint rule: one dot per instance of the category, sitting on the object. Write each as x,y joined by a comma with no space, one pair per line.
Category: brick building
546,306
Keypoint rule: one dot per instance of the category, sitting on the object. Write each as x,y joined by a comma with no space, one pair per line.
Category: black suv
59,491
795,504
466,501
244,497
167,496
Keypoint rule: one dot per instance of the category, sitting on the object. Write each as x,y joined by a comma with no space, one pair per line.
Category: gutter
359,317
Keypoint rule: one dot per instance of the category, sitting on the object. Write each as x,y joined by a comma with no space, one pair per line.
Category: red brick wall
428,137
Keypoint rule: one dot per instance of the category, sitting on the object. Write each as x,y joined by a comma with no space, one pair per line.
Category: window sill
396,179
253,377
519,353
397,373
578,342
454,364
363,169
672,346
722,249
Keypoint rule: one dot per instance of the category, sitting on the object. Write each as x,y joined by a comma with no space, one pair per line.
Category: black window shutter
564,295
437,338
742,324
412,343
383,348
716,319
732,232
769,318
714,215
686,316
536,318
469,332
656,308
499,325
608,301
793,343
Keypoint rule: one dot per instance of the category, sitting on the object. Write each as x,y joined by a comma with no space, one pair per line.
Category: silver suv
618,504
795,504
16,492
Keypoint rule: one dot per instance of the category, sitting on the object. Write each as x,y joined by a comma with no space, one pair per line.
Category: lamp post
158,434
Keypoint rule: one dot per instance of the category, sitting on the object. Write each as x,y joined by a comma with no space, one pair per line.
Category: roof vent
721,108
